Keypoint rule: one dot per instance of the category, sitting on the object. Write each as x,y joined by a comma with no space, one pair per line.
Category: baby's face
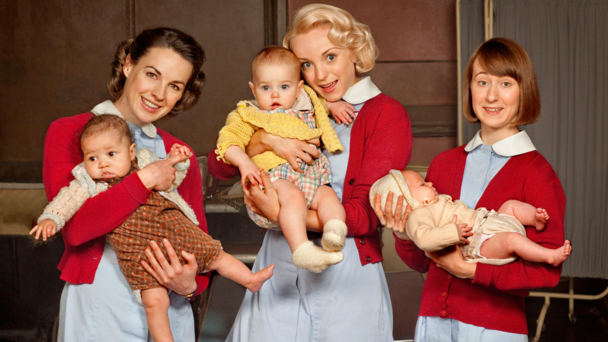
275,85
421,191
107,155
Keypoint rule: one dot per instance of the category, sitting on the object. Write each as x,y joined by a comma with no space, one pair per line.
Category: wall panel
54,62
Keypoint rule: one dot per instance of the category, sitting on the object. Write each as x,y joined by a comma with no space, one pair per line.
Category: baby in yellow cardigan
286,108
489,237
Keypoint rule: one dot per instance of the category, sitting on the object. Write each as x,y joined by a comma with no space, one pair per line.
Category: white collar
514,145
107,107
361,91
303,102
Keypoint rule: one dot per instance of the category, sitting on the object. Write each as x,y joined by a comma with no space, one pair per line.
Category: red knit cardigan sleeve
385,136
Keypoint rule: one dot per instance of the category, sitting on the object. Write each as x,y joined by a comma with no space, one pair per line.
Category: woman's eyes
505,84
176,88
331,57
482,83
151,75
306,65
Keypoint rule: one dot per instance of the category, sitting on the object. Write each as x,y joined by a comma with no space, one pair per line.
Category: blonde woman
348,301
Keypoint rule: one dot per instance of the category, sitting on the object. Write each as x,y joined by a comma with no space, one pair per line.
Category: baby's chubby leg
333,217
156,304
230,267
292,217
525,213
507,245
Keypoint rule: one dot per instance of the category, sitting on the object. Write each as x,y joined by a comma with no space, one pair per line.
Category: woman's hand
158,175
451,260
172,275
388,219
263,202
292,150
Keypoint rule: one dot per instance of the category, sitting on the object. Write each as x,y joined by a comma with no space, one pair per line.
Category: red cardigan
84,234
494,299
381,140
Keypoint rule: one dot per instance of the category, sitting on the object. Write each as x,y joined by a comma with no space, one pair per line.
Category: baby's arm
237,157
427,235
343,112
61,209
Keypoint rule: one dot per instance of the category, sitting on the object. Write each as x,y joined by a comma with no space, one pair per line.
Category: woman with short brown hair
474,301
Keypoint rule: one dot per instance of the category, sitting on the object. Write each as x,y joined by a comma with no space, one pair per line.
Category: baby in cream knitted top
486,236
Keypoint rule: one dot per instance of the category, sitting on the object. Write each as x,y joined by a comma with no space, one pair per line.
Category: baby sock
334,235
313,258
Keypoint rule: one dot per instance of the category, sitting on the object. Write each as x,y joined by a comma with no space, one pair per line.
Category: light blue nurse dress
346,302
107,309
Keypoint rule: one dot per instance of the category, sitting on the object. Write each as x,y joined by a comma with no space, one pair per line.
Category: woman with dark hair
157,73
474,301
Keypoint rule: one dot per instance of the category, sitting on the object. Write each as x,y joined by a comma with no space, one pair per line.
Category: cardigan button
444,313
443,294
351,181
450,276
368,258
362,241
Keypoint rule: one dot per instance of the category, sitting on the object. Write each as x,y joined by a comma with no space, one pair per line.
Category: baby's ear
132,151
300,84
252,88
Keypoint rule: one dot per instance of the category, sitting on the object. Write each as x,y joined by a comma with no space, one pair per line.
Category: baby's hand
250,171
463,231
46,227
179,153
343,112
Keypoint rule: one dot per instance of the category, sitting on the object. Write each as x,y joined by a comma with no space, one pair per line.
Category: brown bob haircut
505,57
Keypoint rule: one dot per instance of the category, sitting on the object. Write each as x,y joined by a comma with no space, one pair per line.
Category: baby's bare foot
541,217
259,278
561,254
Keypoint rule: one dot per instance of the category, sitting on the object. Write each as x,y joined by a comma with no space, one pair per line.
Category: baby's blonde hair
345,32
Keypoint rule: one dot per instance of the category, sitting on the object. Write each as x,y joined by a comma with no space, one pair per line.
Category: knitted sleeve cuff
483,274
135,188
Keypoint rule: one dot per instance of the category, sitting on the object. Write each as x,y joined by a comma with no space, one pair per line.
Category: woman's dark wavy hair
173,39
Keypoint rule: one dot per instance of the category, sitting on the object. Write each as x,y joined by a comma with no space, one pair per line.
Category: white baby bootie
313,258
334,235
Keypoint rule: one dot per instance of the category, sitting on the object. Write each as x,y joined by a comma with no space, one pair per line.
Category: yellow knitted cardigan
245,120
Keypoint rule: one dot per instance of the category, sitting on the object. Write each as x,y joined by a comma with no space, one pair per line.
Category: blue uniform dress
346,302
107,309
483,163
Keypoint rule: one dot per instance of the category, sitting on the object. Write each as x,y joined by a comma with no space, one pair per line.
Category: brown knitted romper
159,218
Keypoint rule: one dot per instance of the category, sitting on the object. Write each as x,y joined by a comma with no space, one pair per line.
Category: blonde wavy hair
345,32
